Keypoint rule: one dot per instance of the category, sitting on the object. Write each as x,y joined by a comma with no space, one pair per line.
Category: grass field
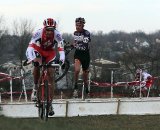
111,122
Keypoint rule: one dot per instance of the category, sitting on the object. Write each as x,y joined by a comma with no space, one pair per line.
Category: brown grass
110,122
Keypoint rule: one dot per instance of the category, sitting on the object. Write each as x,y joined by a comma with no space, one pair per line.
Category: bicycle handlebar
50,65
55,65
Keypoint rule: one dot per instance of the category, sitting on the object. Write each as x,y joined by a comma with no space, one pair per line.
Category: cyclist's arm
35,40
59,39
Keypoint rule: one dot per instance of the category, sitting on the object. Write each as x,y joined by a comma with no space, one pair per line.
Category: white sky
100,15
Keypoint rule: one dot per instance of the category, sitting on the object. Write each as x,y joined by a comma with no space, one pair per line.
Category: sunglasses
49,28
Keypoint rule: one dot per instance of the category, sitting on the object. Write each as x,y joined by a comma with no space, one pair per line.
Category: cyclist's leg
77,65
85,66
36,75
85,79
51,79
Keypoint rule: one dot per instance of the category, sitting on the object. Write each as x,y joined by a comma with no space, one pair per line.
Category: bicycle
43,93
138,89
44,97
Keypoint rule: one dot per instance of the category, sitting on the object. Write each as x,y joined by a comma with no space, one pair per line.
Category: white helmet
49,22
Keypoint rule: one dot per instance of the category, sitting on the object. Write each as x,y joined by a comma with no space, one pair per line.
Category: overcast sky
100,15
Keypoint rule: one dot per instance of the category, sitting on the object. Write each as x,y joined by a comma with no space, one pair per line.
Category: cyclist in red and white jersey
145,77
42,48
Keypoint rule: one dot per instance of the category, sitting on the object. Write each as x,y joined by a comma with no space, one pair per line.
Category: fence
9,77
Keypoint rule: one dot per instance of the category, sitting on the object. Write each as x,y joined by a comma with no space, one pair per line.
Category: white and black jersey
82,40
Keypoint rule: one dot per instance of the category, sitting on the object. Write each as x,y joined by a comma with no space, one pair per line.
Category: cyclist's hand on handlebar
61,62
26,62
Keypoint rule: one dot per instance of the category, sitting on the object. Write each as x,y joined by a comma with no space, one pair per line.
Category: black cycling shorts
84,58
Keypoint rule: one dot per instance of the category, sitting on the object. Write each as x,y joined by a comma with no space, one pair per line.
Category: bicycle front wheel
40,111
45,104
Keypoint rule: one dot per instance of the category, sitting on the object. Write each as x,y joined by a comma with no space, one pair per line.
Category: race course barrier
79,107
10,78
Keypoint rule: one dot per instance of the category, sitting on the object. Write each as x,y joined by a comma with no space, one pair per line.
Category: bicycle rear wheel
65,70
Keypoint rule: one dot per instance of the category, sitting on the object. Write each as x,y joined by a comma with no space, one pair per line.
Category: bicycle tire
46,101
67,49
40,104
40,111
67,66
43,108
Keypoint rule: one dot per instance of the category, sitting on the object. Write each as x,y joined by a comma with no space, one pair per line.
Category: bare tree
3,32
22,31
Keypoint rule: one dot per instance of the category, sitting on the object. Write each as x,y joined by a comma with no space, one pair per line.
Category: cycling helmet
49,22
81,20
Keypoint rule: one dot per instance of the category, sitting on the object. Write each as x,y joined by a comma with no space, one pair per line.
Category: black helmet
81,20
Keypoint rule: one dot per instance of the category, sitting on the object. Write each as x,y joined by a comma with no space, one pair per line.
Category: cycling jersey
39,39
44,46
82,40
146,79
145,76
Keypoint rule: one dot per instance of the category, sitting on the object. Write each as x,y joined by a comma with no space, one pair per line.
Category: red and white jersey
39,39
45,46
148,79
145,76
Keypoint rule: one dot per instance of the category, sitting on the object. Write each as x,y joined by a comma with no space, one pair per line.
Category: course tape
8,77
119,84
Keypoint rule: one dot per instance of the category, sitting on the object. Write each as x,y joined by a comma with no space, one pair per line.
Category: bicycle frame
44,95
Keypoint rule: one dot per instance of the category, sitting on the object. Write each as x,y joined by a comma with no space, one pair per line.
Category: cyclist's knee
77,71
77,64
51,73
86,71
77,61
36,64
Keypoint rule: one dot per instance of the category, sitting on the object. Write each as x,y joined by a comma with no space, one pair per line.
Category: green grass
111,122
